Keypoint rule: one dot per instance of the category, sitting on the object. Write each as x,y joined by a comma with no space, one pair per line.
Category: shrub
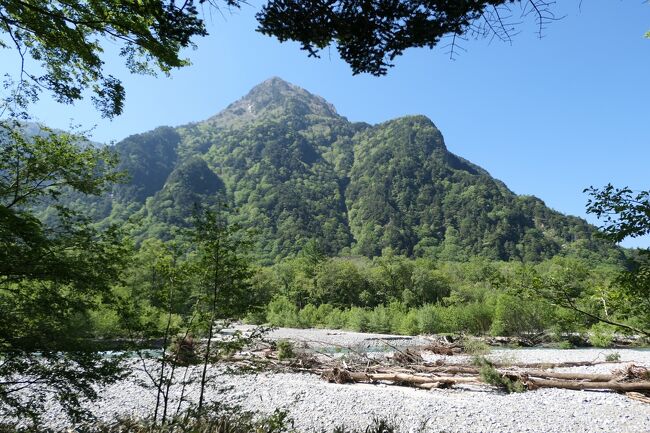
475,318
613,357
256,316
105,322
184,350
564,344
379,320
601,335
357,319
475,347
409,324
323,313
308,316
336,319
429,319
282,312
517,316
285,349
490,375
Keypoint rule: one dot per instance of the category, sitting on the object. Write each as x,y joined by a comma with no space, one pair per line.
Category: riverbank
315,404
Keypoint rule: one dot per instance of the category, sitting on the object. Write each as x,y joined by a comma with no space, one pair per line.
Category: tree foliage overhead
369,35
66,37
625,213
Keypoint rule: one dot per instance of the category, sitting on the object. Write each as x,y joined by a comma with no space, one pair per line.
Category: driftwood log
531,379
533,383
533,372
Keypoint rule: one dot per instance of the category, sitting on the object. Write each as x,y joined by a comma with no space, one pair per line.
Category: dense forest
296,171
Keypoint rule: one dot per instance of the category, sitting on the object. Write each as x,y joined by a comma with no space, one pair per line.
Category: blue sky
549,117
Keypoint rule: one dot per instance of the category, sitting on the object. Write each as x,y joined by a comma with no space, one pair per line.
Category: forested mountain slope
295,170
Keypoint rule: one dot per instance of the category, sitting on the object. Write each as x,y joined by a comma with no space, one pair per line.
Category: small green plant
381,426
564,344
285,349
613,357
601,335
475,347
490,375
377,426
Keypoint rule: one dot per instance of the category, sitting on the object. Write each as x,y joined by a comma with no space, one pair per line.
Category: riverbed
315,404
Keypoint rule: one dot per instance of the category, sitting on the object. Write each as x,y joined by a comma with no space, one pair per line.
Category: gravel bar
316,405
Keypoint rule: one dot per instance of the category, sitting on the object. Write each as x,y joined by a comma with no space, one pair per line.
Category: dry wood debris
408,368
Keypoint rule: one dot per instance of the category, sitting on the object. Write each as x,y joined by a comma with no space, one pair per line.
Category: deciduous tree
52,276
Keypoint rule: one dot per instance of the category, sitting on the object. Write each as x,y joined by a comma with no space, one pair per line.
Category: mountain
295,170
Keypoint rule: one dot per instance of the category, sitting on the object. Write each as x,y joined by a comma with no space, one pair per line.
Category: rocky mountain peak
274,97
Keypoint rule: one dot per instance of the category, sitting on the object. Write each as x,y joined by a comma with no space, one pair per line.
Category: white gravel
316,338
315,404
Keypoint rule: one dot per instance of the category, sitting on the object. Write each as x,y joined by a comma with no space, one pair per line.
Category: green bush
308,317
429,319
564,344
475,347
410,324
379,320
256,316
285,349
490,375
282,312
601,335
474,318
105,323
357,319
514,316
336,319
323,313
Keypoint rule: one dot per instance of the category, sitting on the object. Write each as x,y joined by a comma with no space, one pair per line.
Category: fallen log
537,365
638,396
431,385
452,369
343,376
533,383
549,365
585,377
535,373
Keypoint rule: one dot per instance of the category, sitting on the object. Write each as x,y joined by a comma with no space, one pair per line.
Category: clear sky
549,117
